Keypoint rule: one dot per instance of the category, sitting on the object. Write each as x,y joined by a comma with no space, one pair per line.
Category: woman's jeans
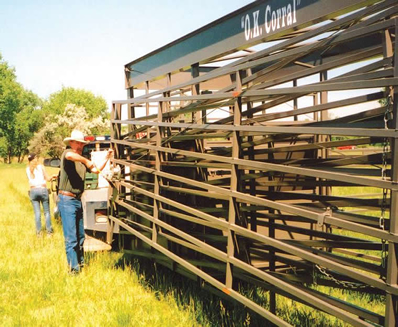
39,195
71,212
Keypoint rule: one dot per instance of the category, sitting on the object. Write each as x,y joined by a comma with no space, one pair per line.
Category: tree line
31,124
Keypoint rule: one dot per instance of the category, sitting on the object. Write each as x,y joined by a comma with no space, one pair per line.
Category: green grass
36,289
115,290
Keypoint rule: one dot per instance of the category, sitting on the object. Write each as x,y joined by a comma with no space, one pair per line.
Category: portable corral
262,149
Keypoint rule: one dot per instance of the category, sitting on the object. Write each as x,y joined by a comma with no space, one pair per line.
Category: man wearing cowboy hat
71,186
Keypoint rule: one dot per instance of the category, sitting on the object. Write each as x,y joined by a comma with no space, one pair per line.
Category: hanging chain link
385,191
382,226
388,115
343,283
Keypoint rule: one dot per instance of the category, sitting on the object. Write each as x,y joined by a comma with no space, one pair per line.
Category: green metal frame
248,197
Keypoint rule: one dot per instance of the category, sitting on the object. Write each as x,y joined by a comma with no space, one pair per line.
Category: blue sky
85,43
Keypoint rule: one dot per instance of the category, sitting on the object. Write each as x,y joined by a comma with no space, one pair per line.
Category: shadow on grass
208,308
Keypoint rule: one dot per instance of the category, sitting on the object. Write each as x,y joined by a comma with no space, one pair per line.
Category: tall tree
49,139
66,110
28,121
94,105
17,120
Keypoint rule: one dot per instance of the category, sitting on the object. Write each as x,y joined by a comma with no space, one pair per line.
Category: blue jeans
39,195
72,224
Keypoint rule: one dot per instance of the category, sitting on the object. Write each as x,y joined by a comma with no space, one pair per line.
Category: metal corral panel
235,175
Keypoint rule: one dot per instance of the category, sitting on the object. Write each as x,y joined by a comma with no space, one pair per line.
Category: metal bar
325,66
270,241
267,129
324,106
304,295
326,86
392,262
275,167
266,314
267,277
329,86
315,259
313,215
209,250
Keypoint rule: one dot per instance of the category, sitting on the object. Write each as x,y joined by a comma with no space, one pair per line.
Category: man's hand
95,170
109,154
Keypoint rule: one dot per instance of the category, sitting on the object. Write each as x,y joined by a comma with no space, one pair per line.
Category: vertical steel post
111,208
115,127
271,233
158,158
252,182
199,117
295,105
232,208
324,117
195,89
131,110
148,130
251,156
392,261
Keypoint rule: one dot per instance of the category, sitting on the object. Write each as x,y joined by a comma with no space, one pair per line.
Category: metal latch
322,216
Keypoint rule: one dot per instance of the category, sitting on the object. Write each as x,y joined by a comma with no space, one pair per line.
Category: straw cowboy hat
77,136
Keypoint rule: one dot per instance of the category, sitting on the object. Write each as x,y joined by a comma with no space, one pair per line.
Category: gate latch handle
322,216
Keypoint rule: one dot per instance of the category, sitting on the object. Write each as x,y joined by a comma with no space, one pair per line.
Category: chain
388,115
385,191
293,269
343,283
382,226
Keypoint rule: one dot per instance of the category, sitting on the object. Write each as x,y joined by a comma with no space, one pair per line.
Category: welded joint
322,216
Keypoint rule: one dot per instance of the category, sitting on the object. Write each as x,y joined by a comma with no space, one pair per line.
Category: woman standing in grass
38,193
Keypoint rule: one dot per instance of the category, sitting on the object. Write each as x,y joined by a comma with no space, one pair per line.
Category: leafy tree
28,121
9,106
49,139
18,120
94,105
22,117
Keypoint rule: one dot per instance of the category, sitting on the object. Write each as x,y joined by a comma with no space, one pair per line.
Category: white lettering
294,12
283,16
274,19
247,27
256,30
267,12
289,15
278,15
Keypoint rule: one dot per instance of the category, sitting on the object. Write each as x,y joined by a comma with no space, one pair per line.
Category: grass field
36,289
